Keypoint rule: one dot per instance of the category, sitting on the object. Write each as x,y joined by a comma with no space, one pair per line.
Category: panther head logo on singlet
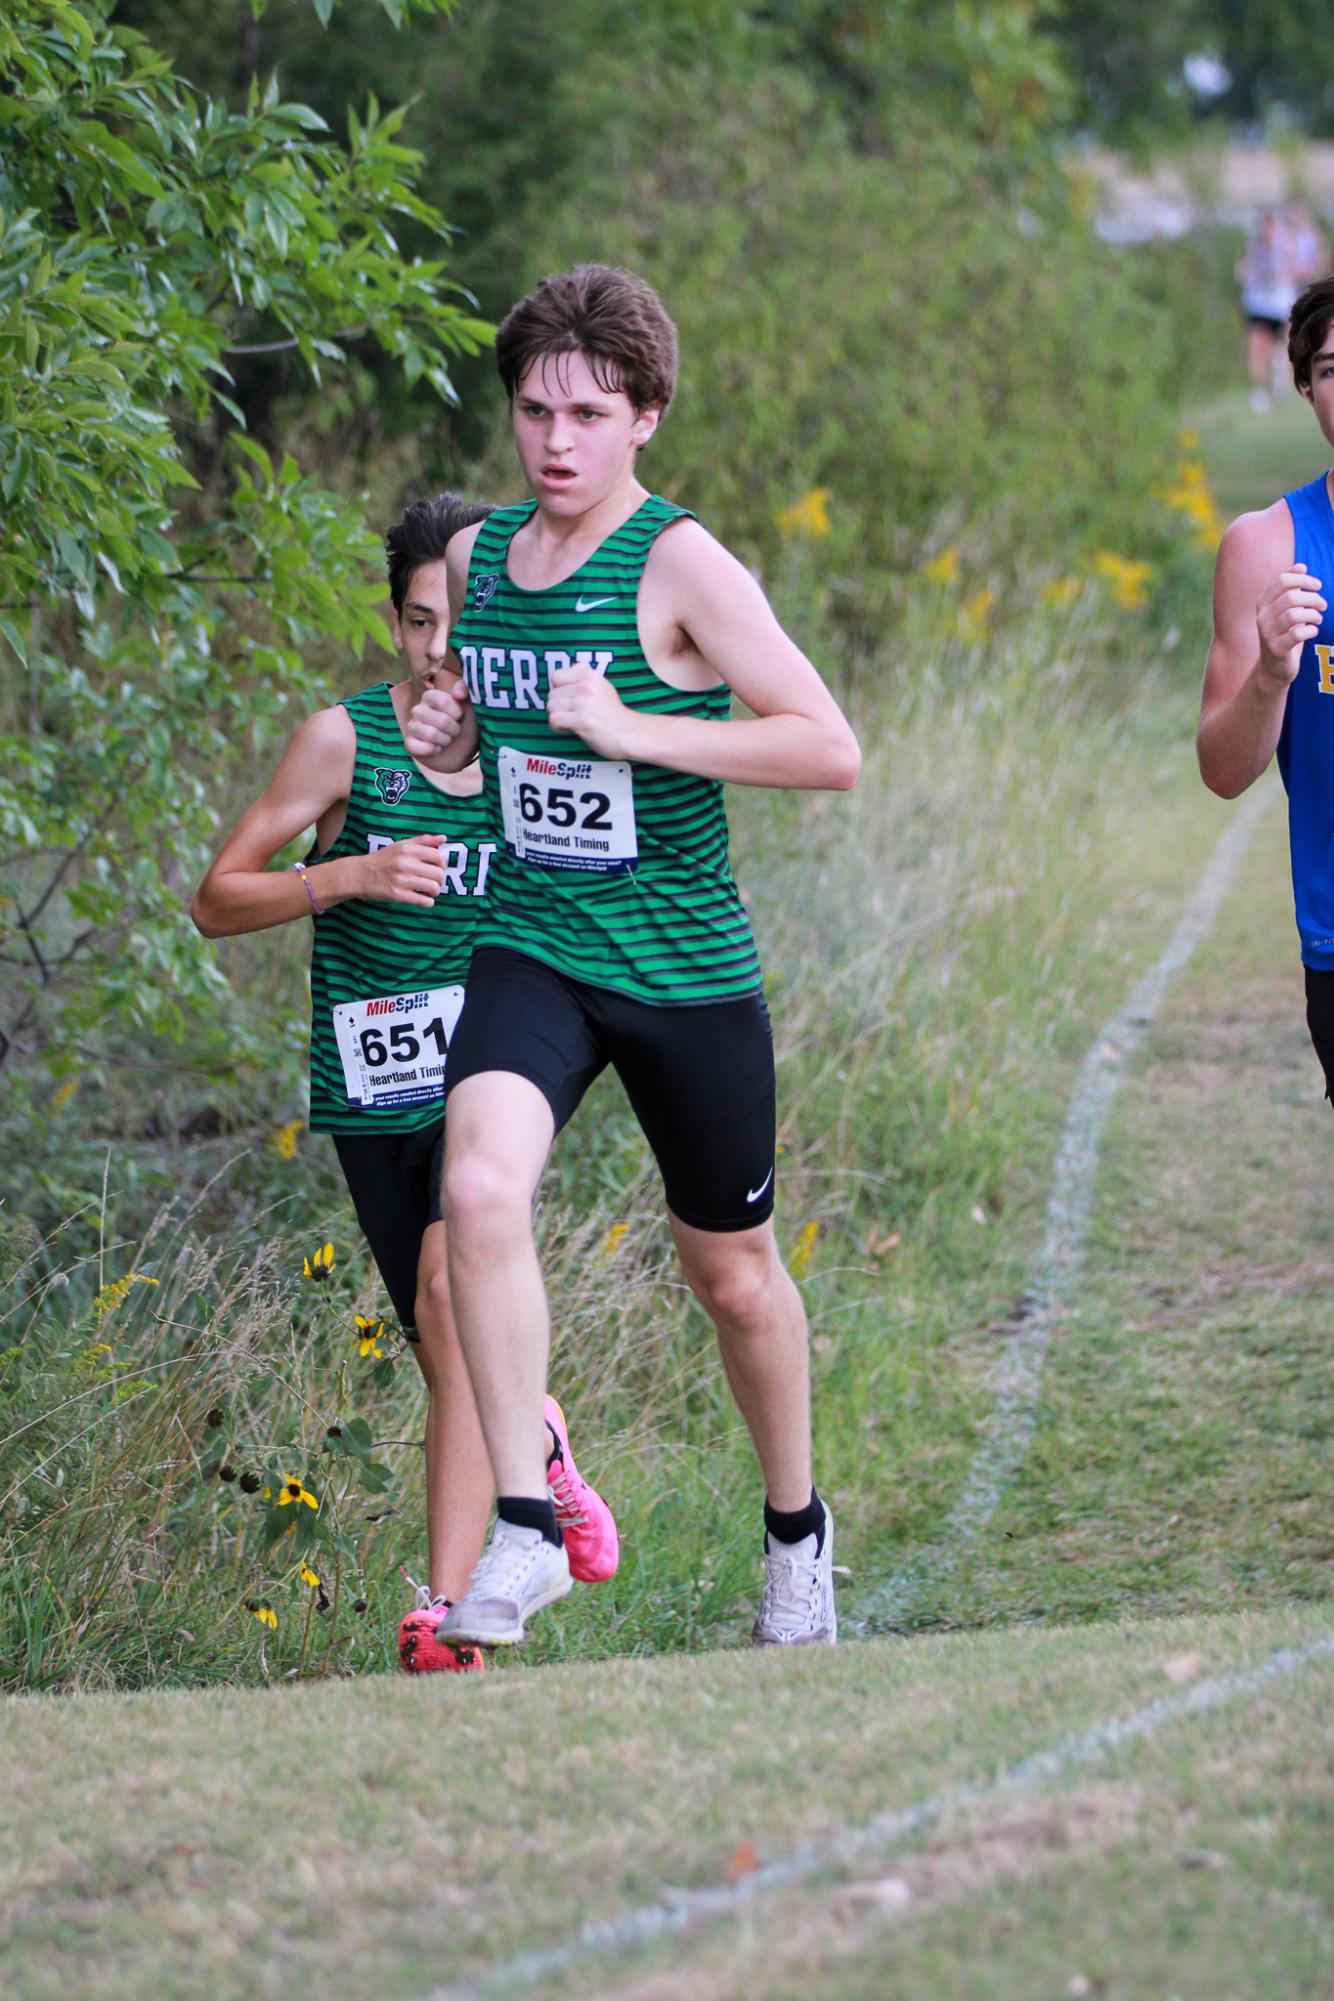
486,590
391,785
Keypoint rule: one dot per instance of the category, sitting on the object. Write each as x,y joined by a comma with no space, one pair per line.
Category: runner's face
421,630
576,441
1321,392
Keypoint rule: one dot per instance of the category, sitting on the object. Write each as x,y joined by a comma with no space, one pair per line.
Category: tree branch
66,865
9,1037
291,341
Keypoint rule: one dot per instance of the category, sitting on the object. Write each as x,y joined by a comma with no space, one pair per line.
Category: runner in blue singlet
1269,680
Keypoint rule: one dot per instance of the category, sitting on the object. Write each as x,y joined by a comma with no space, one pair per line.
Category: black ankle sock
796,1526
521,1513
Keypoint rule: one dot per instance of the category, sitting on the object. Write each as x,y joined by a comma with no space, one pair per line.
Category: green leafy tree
169,590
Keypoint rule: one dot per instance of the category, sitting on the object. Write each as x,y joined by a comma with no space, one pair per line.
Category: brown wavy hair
1310,322
614,319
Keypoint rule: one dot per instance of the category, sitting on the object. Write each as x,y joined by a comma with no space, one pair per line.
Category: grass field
1102,1764
419,1839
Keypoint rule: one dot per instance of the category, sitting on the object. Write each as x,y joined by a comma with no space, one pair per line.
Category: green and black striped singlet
395,956
647,905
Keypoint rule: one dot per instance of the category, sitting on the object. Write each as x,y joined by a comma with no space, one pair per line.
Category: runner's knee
433,1307
736,1289
483,1199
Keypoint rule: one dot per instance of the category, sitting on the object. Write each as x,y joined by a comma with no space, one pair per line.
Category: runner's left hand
586,704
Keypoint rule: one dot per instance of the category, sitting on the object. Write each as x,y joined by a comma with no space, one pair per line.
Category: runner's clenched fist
585,703
411,871
436,721
1288,615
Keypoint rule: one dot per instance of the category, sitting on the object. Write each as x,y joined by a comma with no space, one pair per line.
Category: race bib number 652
573,813
393,1046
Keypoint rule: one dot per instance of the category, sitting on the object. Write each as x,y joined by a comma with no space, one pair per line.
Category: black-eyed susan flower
320,1265
292,1491
368,1335
264,1613
308,1576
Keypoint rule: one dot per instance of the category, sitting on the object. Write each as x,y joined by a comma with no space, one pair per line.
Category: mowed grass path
402,1838
1182,1457
412,1839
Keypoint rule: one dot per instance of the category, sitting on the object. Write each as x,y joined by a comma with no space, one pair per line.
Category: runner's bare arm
310,786
1265,609
700,606
441,731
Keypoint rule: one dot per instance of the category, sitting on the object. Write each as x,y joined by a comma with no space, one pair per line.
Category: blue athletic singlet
1306,745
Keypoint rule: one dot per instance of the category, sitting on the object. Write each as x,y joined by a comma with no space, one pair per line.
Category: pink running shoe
586,1522
419,1650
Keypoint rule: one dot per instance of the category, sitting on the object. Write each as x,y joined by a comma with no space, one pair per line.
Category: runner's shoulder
687,560
1261,539
325,748
458,557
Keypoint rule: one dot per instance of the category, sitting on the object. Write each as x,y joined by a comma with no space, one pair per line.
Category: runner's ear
645,424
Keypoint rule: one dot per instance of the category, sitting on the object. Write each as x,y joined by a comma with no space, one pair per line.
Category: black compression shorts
700,1079
1320,1020
394,1182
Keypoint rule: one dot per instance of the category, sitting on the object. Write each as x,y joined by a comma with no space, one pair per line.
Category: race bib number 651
393,1046
573,813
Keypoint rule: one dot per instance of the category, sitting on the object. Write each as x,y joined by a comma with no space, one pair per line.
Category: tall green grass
938,945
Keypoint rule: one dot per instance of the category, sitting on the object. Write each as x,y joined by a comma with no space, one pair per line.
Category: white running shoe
797,1608
519,1573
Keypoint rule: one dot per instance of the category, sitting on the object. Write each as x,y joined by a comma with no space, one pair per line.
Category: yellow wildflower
944,568
801,1254
1193,497
265,1614
611,1243
1125,578
284,1138
320,1265
1061,592
61,1096
111,1295
292,1491
975,617
807,516
368,1334
308,1576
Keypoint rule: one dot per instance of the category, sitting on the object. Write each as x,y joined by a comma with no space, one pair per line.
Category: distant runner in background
1269,680
1283,253
394,887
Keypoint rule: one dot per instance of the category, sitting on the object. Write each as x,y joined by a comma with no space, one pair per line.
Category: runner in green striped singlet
666,925
396,883
601,634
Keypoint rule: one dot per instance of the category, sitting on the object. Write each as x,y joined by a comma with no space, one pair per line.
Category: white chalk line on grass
679,1910
1019,1378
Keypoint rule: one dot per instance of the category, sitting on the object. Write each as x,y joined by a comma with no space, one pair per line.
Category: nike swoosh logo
754,1194
591,604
